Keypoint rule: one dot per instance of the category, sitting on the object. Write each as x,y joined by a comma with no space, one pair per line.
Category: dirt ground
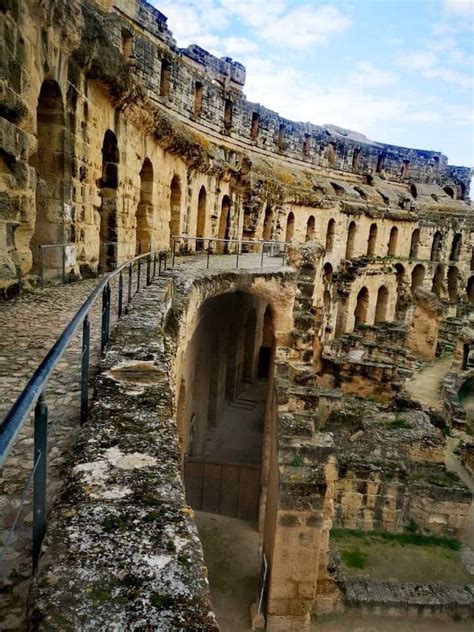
353,622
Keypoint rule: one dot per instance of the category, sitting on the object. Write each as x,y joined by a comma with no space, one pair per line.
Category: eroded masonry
279,395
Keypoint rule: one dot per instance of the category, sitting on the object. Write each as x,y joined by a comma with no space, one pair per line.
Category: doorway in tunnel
226,374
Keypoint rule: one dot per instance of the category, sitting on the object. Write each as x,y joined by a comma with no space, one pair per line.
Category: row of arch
392,246
54,180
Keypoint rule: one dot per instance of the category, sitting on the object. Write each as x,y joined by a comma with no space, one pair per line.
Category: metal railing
209,246
33,395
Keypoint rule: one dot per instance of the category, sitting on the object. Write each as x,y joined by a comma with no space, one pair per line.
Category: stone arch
436,246
372,241
417,276
51,177
144,214
450,191
453,282
224,224
381,305
437,285
392,242
332,154
401,306
456,247
470,289
310,228
109,202
351,234
290,226
268,224
201,217
175,208
330,234
327,273
414,244
362,307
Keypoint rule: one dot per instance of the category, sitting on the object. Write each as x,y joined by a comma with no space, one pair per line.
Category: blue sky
399,71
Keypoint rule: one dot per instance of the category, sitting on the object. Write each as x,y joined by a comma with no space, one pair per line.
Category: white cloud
305,26
366,74
462,7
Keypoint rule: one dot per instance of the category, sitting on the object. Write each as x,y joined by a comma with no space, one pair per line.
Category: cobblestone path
29,326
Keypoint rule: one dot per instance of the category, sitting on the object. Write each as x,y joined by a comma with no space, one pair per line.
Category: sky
399,71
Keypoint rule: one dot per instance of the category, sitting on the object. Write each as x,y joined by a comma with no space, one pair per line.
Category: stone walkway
29,326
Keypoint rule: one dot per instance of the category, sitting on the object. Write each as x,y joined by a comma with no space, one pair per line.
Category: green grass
354,558
399,422
418,539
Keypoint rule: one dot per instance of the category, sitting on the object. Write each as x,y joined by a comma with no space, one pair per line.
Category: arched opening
470,289
310,226
228,115
453,281
330,233
392,242
417,277
414,244
362,307
175,208
449,191
351,234
437,285
198,95
381,162
224,223
327,273
201,218
144,215
356,159
436,246
165,77
108,207
456,247
401,306
381,305
51,179
372,241
290,227
228,364
268,224
331,154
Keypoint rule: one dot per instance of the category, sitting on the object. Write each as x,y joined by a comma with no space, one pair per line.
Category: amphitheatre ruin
229,343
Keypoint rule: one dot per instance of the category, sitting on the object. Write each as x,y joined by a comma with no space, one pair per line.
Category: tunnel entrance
223,401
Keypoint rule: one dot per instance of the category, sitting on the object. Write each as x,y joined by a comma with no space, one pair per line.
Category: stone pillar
302,522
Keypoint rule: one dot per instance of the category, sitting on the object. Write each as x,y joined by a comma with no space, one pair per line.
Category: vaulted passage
51,182
145,215
224,390
108,230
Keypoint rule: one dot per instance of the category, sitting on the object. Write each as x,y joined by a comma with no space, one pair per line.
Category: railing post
263,251
104,323
39,478
64,263
208,252
283,255
238,249
129,292
148,270
41,267
139,274
120,295
86,328
154,265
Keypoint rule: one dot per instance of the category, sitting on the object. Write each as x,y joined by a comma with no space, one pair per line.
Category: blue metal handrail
32,396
